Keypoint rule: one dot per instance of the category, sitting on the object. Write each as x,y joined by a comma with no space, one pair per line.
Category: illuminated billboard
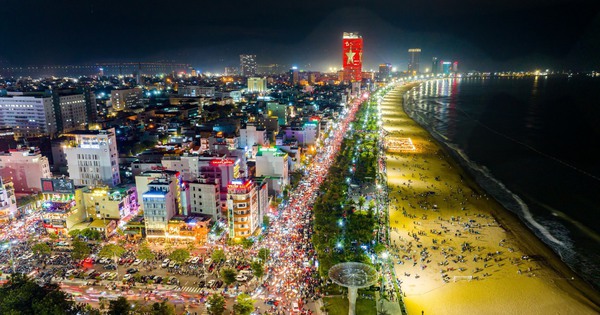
352,50
226,162
58,185
239,184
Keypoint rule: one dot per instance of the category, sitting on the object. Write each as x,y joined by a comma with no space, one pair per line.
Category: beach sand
461,252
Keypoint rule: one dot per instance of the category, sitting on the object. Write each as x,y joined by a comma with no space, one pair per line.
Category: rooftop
154,193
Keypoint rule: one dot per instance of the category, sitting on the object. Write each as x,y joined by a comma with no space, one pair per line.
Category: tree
247,242
88,233
372,205
119,306
266,220
257,269
144,253
264,254
41,249
90,310
361,202
80,249
244,304
91,234
111,251
218,255
379,248
228,275
75,233
20,295
179,255
163,308
215,305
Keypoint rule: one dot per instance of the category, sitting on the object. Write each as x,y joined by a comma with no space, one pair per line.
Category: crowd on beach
439,227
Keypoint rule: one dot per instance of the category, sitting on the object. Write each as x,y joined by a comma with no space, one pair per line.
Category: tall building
90,104
455,66
217,169
109,203
305,134
145,178
7,139
273,164
8,202
28,116
196,91
204,197
385,71
352,50
257,85
70,110
248,65
61,205
92,157
294,76
24,168
279,110
126,98
435,65
446,67
232,70
414,55
242,208
160,205
252,135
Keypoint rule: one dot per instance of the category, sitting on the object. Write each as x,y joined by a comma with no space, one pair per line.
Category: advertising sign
226,162
58,185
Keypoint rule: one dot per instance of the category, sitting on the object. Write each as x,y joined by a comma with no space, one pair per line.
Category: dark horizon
512,35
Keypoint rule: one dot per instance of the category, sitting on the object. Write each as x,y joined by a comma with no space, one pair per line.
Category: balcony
241,216
239,229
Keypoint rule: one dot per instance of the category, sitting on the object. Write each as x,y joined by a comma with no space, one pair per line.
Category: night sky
481,35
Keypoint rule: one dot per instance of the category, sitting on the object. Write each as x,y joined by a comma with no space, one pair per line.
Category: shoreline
547,275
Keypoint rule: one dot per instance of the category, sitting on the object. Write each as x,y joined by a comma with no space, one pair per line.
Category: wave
495,187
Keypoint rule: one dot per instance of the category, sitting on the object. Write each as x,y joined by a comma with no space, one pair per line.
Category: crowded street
291,283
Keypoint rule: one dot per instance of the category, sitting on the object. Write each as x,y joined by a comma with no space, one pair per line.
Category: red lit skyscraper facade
352,50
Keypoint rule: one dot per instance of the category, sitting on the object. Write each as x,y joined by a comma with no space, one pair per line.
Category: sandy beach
456,250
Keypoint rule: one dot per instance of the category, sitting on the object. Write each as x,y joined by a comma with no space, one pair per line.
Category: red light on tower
352,50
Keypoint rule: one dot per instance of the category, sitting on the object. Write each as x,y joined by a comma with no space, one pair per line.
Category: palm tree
361,202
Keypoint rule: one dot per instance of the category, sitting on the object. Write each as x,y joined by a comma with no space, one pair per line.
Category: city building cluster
177,155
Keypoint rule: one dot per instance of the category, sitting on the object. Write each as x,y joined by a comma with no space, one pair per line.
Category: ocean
533,143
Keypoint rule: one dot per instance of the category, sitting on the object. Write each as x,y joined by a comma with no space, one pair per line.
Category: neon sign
239,185
225,162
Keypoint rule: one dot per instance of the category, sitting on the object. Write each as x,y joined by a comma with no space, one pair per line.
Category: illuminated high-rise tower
248,65
352,50
414,54
435,65
385,71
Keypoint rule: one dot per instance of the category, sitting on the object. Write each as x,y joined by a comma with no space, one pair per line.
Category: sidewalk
392,308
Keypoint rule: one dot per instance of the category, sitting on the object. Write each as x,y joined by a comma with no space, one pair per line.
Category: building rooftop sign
225,162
